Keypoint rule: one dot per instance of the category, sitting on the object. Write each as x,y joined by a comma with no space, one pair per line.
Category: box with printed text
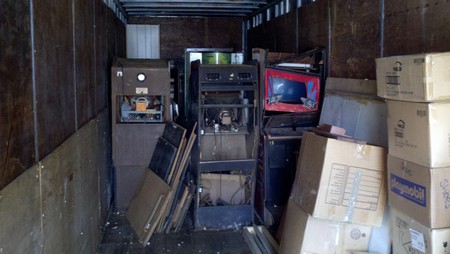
341,180
422,193
303,233
419,132
422,77
411,237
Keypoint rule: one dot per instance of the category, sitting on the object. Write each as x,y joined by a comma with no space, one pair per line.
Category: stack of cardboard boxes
417,89
338,195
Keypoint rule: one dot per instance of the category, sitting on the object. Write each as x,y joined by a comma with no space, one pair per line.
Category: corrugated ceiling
199,8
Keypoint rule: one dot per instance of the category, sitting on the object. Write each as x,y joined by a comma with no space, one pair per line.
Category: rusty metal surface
416,26
16,94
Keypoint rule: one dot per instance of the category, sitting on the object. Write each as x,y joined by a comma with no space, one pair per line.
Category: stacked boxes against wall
417,89
338,196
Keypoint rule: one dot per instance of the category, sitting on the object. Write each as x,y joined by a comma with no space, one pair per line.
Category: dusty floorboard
119,237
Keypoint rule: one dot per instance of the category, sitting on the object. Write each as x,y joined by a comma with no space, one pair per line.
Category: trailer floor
119,237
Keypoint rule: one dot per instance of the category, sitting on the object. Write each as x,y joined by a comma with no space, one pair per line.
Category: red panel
284,96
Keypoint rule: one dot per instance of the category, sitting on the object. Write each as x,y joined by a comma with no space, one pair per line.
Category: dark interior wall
176,34
416,26
16,93
355,32
73,44
278,34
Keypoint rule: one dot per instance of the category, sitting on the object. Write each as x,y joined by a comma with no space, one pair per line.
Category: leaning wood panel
70,199
20,215
16,107
55,93
84,60
142,214
355,38
416,26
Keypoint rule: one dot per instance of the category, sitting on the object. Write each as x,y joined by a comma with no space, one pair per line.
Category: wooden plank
184,211
20,212
54,76
144,202
181,168
84,60
176,165
70,192
355,38
16,107
416,26
177,211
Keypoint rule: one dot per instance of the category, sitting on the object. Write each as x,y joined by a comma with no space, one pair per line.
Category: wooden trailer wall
55,60
356,32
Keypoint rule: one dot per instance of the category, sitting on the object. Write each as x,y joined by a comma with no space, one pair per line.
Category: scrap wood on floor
162,201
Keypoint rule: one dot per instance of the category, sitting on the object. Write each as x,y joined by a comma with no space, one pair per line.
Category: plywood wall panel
16,98
259,37
20,212
101,54
313,26
70,204
55,92
84,60
416,26
285,33
355,38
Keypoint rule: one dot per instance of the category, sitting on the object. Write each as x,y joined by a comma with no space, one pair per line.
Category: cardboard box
353,104
424,77
420,192
341,180
419,132
303,233
411,237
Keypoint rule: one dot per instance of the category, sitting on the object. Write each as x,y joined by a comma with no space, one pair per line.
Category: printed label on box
355,187
409,190
417,240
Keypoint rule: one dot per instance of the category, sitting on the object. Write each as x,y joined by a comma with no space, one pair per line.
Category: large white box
423,77
303,233
419,132
341,180
411,237
420,192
